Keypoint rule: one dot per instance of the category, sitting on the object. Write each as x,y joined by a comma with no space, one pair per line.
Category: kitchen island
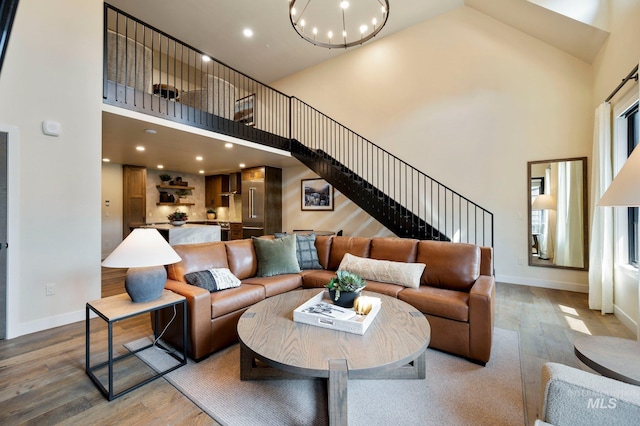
188,233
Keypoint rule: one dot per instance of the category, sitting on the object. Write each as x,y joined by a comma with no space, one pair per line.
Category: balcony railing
149,71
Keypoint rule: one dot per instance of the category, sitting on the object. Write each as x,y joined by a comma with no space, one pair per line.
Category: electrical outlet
50,289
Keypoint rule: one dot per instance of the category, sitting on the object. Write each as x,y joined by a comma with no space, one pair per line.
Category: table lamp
544,202
624,191
145,253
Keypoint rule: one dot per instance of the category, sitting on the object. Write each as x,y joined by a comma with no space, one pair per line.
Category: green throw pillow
277,256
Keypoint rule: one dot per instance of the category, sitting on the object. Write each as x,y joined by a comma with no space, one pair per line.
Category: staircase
402,198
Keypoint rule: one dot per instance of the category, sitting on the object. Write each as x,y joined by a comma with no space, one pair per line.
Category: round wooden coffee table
392,348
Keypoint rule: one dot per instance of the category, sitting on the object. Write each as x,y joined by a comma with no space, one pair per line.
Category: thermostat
51,128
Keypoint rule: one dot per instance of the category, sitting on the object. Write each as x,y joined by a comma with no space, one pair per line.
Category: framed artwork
243,111
317,194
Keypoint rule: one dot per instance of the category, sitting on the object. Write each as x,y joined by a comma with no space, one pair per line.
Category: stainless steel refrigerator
261,201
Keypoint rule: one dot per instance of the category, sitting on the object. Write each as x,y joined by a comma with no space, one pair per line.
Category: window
537,188
631,118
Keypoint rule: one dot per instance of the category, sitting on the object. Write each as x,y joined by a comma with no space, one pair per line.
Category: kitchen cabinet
235,231
214,187
134,189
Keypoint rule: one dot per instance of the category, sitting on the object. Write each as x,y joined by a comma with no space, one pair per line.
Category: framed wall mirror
558,213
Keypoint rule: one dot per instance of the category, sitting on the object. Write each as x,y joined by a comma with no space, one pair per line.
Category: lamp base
145,284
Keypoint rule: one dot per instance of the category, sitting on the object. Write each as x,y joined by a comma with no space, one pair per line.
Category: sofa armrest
481,312
198,317
574,397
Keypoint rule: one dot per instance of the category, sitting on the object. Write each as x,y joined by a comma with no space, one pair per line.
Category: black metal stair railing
401,197
149,71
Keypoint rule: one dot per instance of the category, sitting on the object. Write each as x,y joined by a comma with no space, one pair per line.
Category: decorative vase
346,298
178,222
211,216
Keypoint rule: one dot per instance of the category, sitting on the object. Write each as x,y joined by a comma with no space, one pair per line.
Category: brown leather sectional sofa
456,292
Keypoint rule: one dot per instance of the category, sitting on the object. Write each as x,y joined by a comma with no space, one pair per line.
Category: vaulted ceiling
276,51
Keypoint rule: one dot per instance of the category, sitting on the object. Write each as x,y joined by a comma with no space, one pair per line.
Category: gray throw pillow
213,279
277,256
306,251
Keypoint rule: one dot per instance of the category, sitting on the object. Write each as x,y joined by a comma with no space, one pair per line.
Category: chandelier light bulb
349,21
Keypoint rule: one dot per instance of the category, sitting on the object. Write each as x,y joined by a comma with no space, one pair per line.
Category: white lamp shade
142,248
544,202
625,188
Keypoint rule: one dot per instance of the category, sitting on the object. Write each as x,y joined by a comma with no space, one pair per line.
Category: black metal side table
120,307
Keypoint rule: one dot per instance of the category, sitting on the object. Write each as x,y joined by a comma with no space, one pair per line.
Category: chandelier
338,23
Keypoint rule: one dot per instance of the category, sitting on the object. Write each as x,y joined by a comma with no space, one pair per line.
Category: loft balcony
149,71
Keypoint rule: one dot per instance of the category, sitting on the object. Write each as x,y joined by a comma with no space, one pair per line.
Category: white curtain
601,249
569,248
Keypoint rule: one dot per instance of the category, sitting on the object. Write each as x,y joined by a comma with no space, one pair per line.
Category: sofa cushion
241,256
358,246
306,251
440,302
233,299
323,245
454,266
276,284
395,249
197,257
213,279
386,271
276,257
314,278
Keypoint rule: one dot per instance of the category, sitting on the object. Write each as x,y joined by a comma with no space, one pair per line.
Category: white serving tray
356,324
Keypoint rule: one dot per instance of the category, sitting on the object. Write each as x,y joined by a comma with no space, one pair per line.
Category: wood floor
43,380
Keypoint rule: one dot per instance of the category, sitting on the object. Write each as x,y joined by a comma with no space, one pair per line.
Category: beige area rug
455,392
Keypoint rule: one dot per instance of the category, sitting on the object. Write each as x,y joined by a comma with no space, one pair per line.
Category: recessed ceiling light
151,131
242,165
205,58
201,172
140,148
248,32
160,166
228,145
199,158
105,160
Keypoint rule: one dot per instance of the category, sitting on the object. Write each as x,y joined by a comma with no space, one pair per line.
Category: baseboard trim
47,323
626,319
536,282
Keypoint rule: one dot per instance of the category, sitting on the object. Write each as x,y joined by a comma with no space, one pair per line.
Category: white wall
619,55
53,70
346,216
468,100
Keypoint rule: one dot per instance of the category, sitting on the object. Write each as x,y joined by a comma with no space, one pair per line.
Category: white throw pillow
385,271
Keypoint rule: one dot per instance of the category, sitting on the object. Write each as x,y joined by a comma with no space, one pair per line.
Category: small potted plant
165,179
211,214
178,218
345,287
182,195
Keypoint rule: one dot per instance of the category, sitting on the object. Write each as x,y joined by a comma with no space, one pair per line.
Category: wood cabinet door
134,182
